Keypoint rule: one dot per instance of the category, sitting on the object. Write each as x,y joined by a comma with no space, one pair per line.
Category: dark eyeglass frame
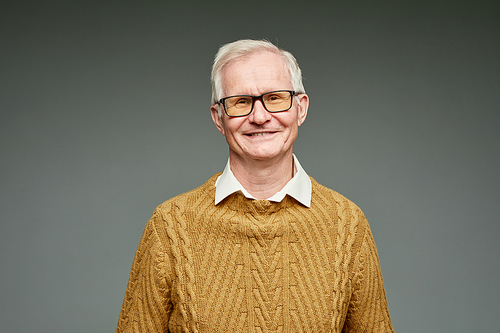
254,98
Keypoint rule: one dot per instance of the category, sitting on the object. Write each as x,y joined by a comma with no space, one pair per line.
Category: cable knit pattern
256,266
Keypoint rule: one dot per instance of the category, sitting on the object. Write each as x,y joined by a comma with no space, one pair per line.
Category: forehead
256,74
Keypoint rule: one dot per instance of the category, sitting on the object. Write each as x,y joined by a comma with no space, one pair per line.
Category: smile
260,134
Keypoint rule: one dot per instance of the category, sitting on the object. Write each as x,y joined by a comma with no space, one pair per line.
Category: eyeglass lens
276,101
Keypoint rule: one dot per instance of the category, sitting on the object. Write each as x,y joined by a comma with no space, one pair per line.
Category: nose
259,114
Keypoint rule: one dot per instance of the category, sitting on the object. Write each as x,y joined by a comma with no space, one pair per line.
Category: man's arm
147,306
368,310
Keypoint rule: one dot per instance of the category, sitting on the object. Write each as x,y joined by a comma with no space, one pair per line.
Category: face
261,135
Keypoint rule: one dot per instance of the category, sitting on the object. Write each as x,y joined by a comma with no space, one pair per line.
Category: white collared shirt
299,187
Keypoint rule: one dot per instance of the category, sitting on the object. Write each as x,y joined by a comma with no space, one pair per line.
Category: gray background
105,114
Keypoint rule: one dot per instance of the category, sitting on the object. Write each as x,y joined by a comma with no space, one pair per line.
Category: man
261,247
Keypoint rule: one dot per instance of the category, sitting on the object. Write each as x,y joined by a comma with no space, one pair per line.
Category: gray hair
237,50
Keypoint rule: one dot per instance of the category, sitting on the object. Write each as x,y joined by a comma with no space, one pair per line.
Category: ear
303,106
214,111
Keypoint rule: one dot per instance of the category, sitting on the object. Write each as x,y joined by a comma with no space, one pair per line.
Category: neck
263,179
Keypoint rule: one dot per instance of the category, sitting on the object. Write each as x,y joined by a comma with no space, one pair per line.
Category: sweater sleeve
368,309
147,305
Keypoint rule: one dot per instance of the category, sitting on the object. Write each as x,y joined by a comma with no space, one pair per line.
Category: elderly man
261,247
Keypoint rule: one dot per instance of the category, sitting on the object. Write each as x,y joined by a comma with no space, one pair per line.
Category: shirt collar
299,187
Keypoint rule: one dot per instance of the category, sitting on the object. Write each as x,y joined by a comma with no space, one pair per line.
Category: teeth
259,134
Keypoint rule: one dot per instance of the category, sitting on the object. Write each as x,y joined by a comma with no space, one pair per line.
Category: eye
238,101
242,101
274,97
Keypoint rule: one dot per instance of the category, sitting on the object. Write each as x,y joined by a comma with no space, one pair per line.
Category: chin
264,155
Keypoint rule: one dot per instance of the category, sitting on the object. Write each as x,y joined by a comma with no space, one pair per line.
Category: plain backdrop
105,114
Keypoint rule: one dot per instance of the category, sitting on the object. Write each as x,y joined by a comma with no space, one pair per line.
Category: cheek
229,127
232,126
292,123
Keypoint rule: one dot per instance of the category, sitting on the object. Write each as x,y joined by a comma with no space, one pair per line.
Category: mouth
259,134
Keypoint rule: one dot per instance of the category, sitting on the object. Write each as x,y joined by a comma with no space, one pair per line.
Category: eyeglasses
273,101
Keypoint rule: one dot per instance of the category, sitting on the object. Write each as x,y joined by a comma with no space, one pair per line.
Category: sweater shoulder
173,215
342,211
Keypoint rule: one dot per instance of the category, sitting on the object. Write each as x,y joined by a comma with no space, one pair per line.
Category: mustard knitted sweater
256,266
